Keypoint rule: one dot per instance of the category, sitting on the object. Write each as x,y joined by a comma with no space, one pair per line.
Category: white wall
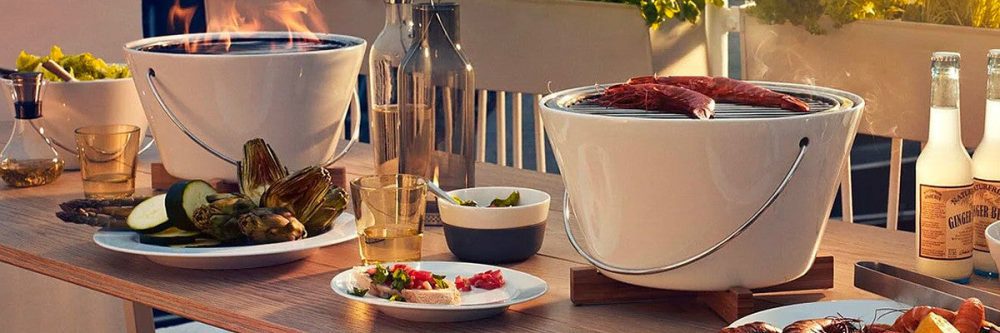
30,302
100,27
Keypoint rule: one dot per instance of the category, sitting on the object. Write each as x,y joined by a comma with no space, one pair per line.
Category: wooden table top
297,296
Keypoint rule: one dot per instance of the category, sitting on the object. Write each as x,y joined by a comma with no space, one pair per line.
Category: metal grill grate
817,103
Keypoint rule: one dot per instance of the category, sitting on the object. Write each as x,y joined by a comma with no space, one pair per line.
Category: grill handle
355,109
803,144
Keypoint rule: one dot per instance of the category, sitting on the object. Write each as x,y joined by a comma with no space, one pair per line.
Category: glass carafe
383,67
28,159
437,105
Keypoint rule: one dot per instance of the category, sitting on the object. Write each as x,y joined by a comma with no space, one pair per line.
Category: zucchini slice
170,236
149,216
199,243
183,198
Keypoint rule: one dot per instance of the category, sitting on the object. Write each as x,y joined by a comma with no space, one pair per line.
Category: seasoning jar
28,159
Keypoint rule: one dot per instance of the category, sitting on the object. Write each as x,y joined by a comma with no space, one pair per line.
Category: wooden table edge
136,293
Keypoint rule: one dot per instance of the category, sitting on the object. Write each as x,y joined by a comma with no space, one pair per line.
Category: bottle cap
27,89
946,56
994,54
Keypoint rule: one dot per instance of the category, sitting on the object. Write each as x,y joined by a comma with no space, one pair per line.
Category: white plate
861,309
520,287
233,257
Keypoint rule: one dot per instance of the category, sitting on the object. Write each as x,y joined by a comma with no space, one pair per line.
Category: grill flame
300,18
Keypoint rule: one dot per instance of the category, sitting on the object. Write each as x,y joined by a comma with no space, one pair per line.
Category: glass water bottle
944,181
28,159
383,67
437,105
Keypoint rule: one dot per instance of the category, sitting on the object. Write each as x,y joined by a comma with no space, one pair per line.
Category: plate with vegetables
275,218
438,291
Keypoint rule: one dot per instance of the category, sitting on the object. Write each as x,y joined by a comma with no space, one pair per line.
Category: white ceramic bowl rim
71,83
458,192
993,232
555,102
350,41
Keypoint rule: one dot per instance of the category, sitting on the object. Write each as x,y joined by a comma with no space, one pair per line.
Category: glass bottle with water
437,104
386,55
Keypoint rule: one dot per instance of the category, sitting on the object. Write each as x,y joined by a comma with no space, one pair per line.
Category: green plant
809,14
659,11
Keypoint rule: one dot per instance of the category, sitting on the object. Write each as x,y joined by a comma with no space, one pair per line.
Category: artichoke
259,169
334,203
271,225
219,218
303,194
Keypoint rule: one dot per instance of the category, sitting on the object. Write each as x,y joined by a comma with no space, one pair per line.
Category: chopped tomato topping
462,284
488,280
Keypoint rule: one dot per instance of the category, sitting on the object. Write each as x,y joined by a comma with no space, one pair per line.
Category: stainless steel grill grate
818,102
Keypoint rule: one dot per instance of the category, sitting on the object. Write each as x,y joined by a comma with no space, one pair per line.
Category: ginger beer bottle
986,171
944,181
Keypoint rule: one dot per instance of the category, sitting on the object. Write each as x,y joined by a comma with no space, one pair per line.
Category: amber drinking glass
107,160
390,216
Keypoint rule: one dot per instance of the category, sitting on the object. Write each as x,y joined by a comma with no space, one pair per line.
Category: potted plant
879,49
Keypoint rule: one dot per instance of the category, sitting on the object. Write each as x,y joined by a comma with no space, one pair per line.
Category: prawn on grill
728,90
657,97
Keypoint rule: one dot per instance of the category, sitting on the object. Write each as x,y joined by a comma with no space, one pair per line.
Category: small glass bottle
986,171
28,159
944,181
383,67
436,93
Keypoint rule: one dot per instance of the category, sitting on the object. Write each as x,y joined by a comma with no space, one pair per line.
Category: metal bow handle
803,144
355,109
73,151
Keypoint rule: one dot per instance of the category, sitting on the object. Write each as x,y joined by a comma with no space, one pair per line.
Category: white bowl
993,238
499,234
533,208
67,106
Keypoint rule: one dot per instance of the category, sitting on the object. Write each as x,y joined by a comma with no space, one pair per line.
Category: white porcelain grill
666,201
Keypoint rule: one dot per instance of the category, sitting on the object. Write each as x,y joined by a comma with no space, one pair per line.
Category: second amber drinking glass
107,160
390,217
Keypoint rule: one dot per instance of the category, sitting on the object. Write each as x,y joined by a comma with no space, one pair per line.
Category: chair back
887,63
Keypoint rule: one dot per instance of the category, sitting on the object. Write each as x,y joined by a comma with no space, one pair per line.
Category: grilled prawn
754,327
970,316
728,90
823,325
908,322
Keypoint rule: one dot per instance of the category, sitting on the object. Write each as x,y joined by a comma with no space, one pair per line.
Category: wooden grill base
161,179
590,287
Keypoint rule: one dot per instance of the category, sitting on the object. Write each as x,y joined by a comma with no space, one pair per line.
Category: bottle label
946,222
986,205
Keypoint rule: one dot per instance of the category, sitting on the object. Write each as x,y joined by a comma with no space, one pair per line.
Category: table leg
138,318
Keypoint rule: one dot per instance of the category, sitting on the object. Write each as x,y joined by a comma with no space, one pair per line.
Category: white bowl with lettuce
104,95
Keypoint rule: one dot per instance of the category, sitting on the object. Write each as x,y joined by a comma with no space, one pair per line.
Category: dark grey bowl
494,246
